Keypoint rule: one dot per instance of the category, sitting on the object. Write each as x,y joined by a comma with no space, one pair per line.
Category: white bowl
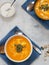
4,10
23,59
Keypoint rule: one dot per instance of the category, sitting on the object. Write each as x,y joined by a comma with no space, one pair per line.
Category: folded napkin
33,57
32,13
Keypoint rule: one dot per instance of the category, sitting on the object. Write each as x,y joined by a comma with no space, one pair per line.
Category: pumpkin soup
18,48
42,9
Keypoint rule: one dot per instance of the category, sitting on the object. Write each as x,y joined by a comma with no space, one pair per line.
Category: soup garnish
19,48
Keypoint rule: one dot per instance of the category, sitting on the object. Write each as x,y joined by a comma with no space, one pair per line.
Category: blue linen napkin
32,13
33,57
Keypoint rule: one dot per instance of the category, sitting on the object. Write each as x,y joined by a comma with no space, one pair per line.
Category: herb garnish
44,7
19,48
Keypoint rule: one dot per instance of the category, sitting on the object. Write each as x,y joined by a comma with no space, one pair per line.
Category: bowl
18,48
7,10
41,9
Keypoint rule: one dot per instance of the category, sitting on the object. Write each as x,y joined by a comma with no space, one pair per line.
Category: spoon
11,5
30,6
13,2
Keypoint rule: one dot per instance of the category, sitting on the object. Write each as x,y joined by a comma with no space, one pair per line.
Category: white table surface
28,25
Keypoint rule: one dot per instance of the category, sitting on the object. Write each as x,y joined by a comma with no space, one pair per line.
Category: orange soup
18,48
42,9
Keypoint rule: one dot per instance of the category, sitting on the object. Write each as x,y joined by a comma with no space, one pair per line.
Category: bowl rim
17,60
